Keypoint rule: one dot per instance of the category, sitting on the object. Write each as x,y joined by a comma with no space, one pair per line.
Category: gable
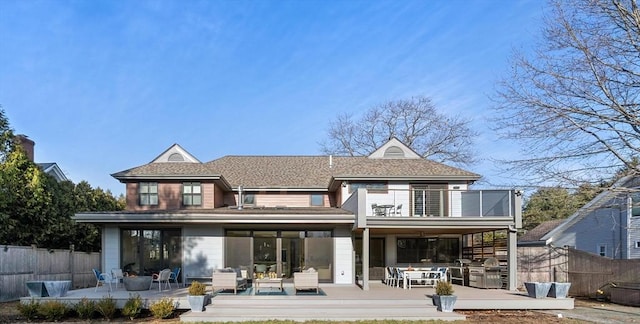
175,153
394,149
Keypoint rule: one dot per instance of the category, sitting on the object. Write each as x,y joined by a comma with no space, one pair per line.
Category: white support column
513,260
365,259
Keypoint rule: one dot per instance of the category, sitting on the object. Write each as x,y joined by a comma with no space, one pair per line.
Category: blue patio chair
174,275
101,278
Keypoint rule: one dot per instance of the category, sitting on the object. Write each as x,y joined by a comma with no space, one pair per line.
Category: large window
145,252
148,193
428,250
191,194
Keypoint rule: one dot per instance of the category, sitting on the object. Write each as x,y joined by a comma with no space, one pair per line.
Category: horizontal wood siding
287,199
19,264
170,196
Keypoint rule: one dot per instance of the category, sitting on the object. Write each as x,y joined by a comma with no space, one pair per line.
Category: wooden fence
542,264
585,271
19,264
589,272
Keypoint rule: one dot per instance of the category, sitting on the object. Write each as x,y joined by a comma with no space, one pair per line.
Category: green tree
556,203
36,209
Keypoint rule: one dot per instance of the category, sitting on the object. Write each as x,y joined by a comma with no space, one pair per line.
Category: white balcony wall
455,199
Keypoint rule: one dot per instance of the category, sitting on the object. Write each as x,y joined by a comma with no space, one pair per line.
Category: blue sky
102,86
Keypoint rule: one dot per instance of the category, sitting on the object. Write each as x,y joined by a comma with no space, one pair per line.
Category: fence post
34,262
72,268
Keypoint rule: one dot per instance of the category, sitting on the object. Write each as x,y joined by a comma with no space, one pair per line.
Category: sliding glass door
148,251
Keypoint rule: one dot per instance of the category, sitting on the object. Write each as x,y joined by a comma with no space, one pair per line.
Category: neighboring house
50,168
609,225
343,216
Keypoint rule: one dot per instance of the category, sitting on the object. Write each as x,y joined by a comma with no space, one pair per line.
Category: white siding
110,249
455,199
203,250
343,255
634,236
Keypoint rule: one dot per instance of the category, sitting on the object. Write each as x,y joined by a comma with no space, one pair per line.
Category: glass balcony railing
441,203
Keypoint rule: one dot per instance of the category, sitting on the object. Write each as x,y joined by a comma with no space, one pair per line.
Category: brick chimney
27,145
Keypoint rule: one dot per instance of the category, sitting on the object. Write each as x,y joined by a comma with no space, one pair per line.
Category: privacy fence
19,264
585,271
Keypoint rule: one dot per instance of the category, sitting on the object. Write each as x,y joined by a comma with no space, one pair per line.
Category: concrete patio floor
340,302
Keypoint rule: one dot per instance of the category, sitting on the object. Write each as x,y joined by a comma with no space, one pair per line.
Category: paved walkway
594,311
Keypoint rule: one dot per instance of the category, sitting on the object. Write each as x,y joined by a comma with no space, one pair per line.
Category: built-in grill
485,273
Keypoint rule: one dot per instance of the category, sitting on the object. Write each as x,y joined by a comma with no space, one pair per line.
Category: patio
339,302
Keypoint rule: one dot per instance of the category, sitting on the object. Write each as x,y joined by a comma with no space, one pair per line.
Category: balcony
398,203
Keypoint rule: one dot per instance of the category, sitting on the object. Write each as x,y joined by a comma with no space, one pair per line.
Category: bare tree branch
415,122
574,107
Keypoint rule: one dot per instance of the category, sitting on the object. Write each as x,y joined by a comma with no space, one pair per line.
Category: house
50,168
346,217
608,225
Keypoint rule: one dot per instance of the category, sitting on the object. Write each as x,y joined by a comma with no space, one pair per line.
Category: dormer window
176,157
148,193
191,194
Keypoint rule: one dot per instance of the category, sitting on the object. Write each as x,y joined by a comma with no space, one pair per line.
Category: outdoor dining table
424,275
386,209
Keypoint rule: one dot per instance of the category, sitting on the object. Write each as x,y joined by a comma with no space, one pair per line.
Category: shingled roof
297,171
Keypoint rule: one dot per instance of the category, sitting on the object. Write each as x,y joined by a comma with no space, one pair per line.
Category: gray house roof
303,172
598,202
535,235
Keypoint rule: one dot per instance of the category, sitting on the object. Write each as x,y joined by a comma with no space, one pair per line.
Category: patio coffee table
268,282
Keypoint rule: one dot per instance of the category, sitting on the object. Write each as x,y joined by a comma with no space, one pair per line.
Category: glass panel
186,188
153,188
249,199
292,252
151,258
376,252
635,204
319,254
238,251
470,203
264,252
186,200
153,200
495,203
144,199
144,188
197,200
129,255
196,189
418,202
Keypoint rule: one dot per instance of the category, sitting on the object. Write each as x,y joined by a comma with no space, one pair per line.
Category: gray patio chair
117,275
160,278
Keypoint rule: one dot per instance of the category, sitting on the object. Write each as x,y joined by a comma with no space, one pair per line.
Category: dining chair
161,278
174,275
117,275
101,278
389,276
398,210
399,277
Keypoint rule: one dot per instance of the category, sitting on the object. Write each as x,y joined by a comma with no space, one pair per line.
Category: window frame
634,209
191,195
602,250
148,193
248,196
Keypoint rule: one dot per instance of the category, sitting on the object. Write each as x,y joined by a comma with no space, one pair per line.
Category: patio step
229,310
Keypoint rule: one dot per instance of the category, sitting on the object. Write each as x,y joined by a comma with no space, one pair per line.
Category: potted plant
197,296
444,298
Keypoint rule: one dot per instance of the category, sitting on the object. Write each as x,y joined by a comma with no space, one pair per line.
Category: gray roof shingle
299,171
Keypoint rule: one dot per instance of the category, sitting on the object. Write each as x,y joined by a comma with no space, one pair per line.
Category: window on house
191,194
635,204
248,199
637,244
602,250
317,200
148,193
379,187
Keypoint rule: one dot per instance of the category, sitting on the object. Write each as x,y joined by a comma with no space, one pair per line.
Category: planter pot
444,303
537,289
37,289
197,303
559,290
